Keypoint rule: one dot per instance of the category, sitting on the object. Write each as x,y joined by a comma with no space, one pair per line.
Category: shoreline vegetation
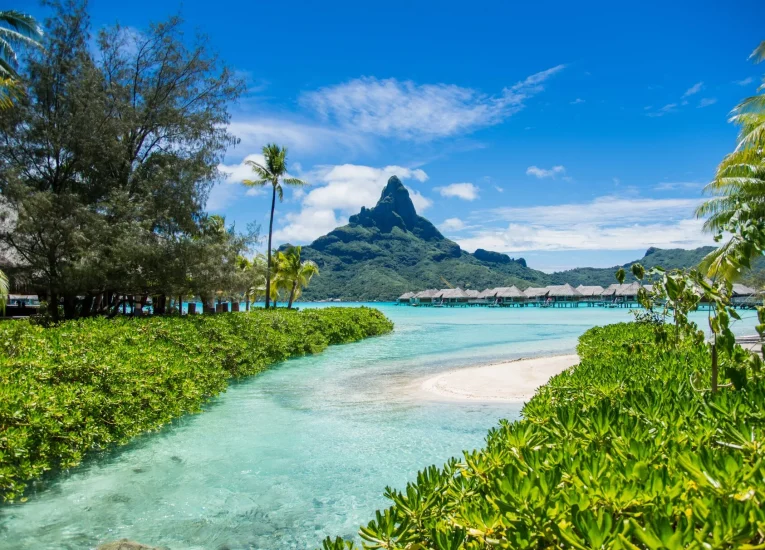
84,386
620,451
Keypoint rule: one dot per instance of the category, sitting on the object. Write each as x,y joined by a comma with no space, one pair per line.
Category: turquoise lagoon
304,450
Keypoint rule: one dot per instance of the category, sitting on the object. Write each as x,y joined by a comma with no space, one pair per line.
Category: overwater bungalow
591,295
405,298
452,296
509,296
424,297
563,295
745,296
536,295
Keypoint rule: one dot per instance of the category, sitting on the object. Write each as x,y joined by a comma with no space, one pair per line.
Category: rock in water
125,544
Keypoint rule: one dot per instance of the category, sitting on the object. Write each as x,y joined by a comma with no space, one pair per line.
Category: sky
568,133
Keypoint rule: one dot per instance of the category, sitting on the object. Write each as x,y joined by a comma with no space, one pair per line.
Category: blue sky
569,133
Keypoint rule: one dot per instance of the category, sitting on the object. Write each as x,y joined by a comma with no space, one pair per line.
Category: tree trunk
270,234
53,305
247,302
714,368
160,306
292,293
70,302
180,304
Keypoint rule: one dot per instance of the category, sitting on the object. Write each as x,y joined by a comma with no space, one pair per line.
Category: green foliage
272,172
85,385
136,124
619,452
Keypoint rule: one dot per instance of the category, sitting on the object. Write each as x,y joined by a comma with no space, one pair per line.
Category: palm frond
22,23
280,192
255,183
758,55
295,182
15,37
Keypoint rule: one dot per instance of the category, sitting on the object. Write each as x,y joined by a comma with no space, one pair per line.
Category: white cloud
230,187
337,191
606,223
668,108
465,191
300,137
452,224
407,110
499,189
696,88
707,101
678,185
577,101
544,173
745,82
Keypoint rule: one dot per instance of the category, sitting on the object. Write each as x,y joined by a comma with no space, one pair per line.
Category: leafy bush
618,452
85,385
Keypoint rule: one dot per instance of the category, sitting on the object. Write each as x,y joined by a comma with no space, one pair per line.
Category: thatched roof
488,293
509,292
473,293
628,290
406,296
610,290
533,292
742,290
590,290
449,293
430,293
562,291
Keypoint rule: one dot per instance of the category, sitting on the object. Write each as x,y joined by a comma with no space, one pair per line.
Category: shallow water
302,451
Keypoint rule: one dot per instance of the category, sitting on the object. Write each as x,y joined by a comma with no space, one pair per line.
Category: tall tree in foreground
295,274
740,178
273,172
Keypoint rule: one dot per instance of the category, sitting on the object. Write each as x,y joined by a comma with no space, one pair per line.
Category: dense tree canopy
106,163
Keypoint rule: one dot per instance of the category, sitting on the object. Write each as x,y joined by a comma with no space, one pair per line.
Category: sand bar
511,381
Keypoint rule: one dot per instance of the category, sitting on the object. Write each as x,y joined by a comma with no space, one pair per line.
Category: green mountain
388,250
667,258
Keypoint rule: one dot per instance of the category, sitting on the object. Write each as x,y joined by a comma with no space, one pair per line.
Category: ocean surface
304,450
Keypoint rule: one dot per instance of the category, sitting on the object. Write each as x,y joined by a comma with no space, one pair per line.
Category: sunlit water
302,451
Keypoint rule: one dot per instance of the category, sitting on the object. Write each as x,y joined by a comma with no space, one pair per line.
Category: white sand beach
511,381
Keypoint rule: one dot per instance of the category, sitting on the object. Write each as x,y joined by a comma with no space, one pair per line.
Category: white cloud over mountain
606,223
337,192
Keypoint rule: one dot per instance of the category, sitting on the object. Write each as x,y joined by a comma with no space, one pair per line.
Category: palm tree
16,29
740,178
4,288
274,172
295,274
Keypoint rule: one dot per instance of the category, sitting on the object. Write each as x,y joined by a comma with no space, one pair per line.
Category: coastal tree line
109,146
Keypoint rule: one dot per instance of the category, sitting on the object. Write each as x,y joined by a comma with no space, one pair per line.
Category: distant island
389,249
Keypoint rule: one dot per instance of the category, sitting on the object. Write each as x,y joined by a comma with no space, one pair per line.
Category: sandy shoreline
509,381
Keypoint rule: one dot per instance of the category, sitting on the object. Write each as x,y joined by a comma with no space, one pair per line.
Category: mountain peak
395,209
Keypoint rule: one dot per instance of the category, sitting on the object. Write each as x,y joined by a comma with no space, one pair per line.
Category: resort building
745,296
591,295
424,298
452,296
563,296
405,298
509,296
535,294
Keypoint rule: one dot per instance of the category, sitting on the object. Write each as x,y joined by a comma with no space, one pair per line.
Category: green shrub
85,385
619,452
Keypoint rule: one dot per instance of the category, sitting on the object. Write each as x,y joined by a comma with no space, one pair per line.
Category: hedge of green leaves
85,385
620,452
